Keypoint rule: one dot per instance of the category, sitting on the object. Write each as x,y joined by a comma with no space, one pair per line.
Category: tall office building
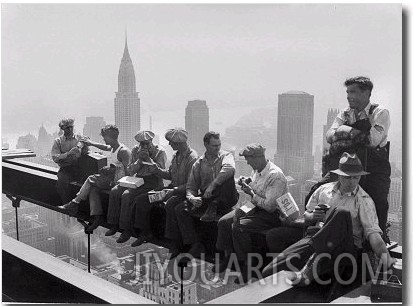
197,124
27,142
295,135
44,142
127,102
331,115
92,128
31,232
395,194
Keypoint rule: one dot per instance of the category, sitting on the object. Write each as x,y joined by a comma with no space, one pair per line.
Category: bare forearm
100,146
379,248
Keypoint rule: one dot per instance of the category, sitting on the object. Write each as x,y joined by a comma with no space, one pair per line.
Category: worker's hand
169,193
319,214
196,201
247,189
75,151
209,191
391,262
143,155
85,140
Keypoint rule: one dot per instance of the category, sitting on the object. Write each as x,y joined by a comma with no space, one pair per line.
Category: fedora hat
350,165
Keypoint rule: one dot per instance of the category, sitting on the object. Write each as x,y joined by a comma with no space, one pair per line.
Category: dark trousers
377,186
143,210
236,234
334,238
65,175
94,184
172,230
121,209
226,196
280,238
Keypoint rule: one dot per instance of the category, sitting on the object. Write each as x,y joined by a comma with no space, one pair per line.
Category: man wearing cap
265,186
178,174
118,161
66,151
350,221
362,128
120,211
210,192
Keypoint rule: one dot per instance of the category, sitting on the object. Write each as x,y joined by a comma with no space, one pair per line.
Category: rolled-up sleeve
339,121
188,169
379,130
194,181
227,169
314,199
277,186
368,218
56,154
161,159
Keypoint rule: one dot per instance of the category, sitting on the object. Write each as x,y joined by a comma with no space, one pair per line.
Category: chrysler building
127,102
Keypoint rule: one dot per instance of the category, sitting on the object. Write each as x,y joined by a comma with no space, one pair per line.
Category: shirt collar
366,109
184,153
220,153
351,193
265,170
68,138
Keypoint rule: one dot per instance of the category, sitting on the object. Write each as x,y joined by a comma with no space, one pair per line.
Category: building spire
126,51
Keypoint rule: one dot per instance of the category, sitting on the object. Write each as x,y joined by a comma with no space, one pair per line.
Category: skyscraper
331,115
92,128
127,102
295,135
27,142
197,124
44,142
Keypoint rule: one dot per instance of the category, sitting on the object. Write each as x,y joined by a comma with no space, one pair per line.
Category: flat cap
253,150
176,135
144,135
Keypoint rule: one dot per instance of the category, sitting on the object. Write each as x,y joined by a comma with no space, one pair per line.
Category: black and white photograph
203,153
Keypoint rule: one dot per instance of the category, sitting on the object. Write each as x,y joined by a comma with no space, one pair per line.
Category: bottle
323,207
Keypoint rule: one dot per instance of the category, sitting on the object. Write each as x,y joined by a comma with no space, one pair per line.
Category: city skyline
194,51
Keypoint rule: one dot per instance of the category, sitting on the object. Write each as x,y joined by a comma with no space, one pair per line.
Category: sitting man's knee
180,208
225,223
342,211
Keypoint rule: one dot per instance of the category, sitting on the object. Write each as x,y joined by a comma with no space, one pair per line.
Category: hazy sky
62,60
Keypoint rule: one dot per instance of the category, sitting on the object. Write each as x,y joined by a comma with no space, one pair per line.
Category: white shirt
379,120
268,185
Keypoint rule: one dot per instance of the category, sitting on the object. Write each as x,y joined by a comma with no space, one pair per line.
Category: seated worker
66,151
120,210
210,192
350,221
265,186
118,160
178,173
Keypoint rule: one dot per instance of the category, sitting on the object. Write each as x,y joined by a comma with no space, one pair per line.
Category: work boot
112,231
211,213
221,266
305,276
97,221
142,239
70,208
125,236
